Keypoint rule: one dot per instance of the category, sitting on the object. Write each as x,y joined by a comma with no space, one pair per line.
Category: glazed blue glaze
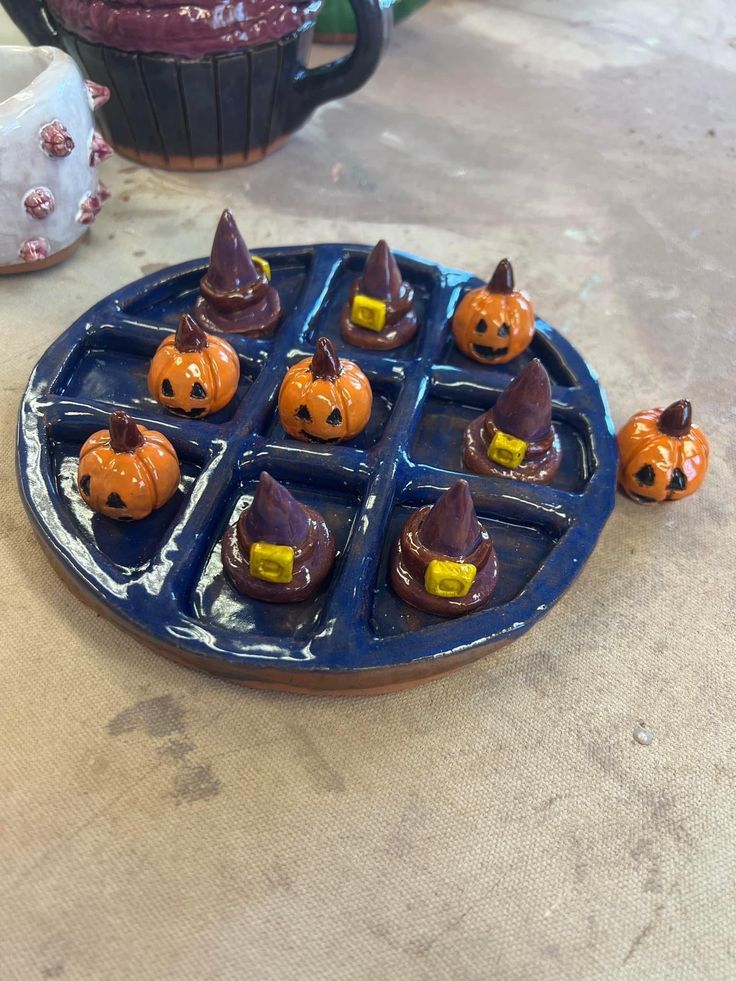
162,577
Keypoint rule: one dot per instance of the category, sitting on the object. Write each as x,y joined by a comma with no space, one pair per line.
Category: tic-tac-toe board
162,579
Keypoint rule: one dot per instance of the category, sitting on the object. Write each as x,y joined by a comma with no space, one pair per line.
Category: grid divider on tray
66,415
495,497
198,525
354,585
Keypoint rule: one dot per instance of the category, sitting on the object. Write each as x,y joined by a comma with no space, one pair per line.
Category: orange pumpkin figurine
193,373
324,399
663,455
495,323
127,471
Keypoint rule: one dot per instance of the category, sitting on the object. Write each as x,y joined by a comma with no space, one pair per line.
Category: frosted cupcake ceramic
220,83
50,192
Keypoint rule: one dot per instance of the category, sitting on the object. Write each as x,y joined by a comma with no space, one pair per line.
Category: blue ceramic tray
162,579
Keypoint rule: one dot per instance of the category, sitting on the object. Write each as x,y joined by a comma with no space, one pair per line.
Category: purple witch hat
236,295
444,561
360,319
516,437
304,554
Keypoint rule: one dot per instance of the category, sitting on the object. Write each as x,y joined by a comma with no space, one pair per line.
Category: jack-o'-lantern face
127,471
495,323
193,373
324,399
663,456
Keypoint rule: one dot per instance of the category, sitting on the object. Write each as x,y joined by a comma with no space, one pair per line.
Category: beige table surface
501,824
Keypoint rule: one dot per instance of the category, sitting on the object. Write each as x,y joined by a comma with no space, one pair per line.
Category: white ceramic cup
49,151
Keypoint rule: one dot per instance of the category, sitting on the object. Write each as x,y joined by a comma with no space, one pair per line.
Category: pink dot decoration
99,151
99,95
55,140
39,203
89,209
35,249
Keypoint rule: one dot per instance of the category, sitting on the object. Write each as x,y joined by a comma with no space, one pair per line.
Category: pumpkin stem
325,362
502,281
676,419
125,436
189,335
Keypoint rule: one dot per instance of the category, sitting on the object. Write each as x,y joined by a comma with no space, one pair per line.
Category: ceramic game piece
380,311
325,399
193,373
444,561
279,551
663,455
236,294
495,323
516,437
201,86
49,152
127,471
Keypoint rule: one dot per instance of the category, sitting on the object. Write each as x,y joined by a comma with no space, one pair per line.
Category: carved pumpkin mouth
318,439
189,413
489,353
642,498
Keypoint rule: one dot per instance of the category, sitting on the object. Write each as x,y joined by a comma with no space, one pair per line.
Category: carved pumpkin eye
481,327
334,418
166,388
645,475
84,484
504,330
198,392
678,481
304,414
115,501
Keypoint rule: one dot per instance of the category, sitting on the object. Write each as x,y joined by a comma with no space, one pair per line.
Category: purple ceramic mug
208,85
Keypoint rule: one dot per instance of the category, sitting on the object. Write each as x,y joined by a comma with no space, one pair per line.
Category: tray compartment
113,370
327,321
216,603
386,390
541,347
439,437
128,545
167,300
521,550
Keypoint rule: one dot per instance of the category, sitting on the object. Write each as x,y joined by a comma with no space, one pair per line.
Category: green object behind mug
336,21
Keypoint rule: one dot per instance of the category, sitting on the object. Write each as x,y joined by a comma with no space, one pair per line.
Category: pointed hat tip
524,407
275,515
382,277
451,526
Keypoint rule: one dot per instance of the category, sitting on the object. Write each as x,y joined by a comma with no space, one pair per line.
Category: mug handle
315,86
32,17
